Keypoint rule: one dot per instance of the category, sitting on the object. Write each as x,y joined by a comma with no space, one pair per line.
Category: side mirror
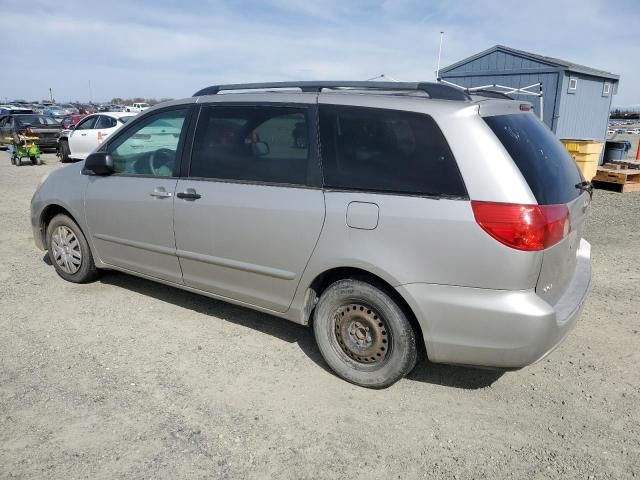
260,149
98,163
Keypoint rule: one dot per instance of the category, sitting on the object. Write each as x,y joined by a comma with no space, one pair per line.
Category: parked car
136,107
33,125
85,109
69,109
88,134
70,121
392,223
11,110
54,111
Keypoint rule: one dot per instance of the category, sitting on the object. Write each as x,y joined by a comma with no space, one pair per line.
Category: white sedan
87,135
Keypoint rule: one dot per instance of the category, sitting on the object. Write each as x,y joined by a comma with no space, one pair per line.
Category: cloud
169,49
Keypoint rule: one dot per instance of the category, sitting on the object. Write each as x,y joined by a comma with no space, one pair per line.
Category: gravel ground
125,378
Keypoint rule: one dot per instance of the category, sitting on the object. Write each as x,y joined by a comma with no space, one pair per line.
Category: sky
87,50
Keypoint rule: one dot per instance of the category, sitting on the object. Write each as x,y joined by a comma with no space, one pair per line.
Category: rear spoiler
491,107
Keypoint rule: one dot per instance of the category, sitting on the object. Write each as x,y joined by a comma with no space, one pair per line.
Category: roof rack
433,90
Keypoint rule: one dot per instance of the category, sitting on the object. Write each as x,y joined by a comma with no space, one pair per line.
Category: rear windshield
543,161
36,120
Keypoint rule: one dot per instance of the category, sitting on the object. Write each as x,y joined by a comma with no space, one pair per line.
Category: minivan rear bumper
496,328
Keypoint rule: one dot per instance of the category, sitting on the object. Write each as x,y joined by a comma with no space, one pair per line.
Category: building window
606,89
573,84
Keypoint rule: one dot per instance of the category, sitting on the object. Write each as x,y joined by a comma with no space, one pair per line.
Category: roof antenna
439,55
381,77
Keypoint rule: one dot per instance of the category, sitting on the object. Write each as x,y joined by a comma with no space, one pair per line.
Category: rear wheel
69,251
363,335
64,151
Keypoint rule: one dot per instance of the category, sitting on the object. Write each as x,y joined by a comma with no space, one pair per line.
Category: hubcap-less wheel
66,249
361,333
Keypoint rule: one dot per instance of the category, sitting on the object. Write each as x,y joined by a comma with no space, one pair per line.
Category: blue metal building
577,99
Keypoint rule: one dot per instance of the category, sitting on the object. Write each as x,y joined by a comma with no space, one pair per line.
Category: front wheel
363,335
69,251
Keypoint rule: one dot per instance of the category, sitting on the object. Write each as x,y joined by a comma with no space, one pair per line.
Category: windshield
124,119
36,120
543,161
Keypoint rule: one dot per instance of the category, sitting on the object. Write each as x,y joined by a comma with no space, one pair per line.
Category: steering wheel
161,161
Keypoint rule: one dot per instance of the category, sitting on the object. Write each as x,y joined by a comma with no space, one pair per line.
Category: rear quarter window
543,161
386,151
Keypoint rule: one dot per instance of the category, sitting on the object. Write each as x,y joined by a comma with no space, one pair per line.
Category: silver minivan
397,219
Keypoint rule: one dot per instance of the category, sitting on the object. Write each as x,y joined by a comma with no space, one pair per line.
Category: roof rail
433,90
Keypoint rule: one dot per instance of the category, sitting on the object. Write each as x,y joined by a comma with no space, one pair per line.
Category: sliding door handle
189,194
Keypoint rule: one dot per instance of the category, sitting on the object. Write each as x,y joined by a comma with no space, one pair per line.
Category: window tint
251,143
87,124
387,151
105,122
150,147
35,120
545,164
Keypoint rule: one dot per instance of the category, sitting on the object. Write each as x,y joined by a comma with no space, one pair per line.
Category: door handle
83,134
160,192
189,194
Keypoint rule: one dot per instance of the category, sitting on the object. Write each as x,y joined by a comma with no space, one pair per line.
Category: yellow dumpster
586,154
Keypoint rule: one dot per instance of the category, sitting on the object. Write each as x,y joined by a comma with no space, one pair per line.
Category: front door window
151,146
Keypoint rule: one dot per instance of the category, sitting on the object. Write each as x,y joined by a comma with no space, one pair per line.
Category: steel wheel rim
361,333
65,248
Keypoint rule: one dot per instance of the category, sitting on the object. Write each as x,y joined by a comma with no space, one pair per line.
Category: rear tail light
523,227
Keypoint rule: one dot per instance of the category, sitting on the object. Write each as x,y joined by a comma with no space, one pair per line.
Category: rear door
105,126
554,179
250,210
82,139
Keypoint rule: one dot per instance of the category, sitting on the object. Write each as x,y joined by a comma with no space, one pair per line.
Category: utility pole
51,94
90,94
439,55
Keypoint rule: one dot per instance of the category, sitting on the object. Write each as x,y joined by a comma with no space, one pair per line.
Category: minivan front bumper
497,328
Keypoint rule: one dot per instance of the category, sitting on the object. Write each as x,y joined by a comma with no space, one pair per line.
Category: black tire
363,335
13,159
35,160
86,271
18,161
64,151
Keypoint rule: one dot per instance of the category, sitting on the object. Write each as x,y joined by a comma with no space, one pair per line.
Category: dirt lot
125,378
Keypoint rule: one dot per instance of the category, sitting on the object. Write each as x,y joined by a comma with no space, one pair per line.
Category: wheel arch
327,277
48,213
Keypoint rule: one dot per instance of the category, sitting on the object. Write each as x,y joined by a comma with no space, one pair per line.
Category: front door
130,213
249,213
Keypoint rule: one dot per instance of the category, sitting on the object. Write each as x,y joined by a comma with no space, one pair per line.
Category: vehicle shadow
425,371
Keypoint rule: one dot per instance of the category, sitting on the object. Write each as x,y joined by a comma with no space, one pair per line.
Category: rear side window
386,151
251,143
543,161
105,122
